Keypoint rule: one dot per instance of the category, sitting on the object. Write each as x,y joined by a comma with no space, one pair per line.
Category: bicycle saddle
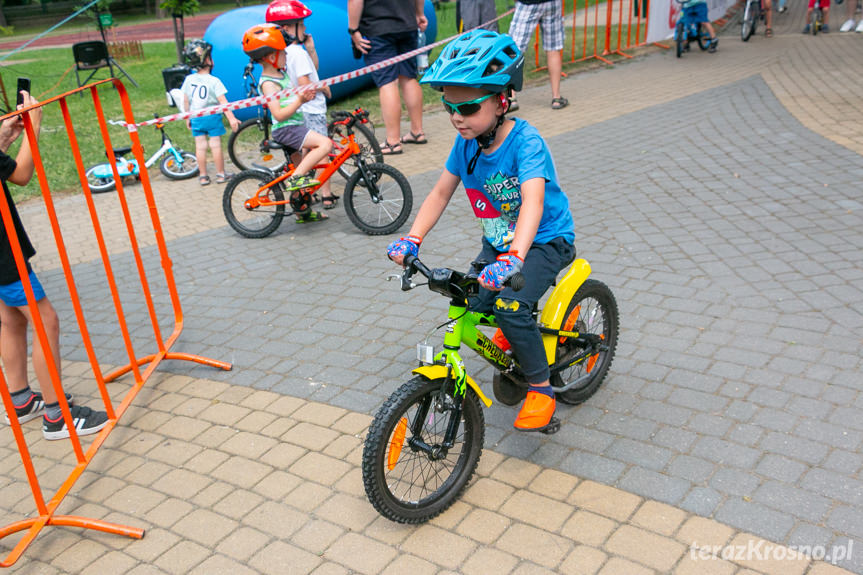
121,151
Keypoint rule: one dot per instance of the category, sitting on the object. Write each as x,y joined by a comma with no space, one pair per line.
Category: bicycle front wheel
370,148
378,199
183,170
258,222
97,184
408,474
593,310
680,37
747,23
247,150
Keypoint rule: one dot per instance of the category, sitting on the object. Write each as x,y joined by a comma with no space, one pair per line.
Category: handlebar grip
516,281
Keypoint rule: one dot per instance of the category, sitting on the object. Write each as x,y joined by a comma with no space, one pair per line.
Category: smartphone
23,84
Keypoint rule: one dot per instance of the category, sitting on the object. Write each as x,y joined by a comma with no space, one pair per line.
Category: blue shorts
13,294
208,126
389,46
697,13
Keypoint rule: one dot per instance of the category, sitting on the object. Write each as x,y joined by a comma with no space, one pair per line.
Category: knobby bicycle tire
592,309
171,169
384,213
409,485
261,221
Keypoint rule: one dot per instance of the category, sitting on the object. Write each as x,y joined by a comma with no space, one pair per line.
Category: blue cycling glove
409,245
494,275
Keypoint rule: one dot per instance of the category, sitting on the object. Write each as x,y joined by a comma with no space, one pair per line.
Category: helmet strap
484,141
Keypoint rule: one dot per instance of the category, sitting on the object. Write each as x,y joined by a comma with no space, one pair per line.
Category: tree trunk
179,36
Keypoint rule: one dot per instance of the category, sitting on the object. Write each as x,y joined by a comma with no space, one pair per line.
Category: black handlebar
439,276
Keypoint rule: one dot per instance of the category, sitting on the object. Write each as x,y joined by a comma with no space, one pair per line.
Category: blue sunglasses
464,108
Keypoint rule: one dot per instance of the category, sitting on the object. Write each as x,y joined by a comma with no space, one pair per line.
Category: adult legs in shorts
549,16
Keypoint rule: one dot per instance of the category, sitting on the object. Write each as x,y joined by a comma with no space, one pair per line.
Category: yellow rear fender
440,372
554,311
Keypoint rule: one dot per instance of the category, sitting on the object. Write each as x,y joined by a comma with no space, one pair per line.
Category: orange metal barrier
45,510
602,28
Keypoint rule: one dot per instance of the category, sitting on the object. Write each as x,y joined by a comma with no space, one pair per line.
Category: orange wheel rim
396,443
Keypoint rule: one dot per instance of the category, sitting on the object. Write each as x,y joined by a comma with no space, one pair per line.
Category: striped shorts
548,15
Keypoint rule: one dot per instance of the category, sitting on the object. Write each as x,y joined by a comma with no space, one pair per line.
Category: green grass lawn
51,72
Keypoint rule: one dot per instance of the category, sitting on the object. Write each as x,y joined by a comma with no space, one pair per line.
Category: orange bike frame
46,510
261,197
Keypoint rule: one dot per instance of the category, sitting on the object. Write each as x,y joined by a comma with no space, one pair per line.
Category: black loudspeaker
173,78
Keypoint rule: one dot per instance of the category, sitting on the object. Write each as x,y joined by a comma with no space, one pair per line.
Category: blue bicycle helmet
478,59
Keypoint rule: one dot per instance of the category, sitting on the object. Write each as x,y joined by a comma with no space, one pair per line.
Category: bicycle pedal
552,427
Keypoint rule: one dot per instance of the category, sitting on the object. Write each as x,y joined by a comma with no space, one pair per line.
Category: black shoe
86,421
33,408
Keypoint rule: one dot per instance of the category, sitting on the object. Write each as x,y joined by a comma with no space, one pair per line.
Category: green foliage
7,30
181,7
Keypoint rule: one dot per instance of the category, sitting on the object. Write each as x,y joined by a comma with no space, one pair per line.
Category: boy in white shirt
301,62
201,90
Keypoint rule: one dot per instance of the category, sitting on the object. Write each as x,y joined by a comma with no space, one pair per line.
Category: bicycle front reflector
396,443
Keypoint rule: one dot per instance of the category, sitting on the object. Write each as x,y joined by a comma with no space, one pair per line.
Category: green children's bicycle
426,440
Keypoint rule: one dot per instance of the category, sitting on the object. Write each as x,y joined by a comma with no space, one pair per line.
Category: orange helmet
284,11
262,40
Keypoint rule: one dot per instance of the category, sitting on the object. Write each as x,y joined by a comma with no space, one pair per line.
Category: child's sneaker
825,28
299,182
848,25
807,29
713,44
86,421
34,408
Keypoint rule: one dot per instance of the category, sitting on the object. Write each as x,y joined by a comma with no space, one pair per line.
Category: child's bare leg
316,147
40,358
826,11
201,154
218,157
808,16
13,346
709,27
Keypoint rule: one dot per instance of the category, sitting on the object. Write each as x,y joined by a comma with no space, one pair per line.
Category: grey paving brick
799,502
639,453
834,486
655,485
781,468
733,481
626,425
842,437
755,518
794,447
691,468
593,467
725,452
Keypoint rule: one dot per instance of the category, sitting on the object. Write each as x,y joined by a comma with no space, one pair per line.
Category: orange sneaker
536,412
500,340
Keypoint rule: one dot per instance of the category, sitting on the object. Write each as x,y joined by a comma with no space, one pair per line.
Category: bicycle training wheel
680,37
258,222
381,205
370,148
98,185
592,309
244,147
409,476
179,171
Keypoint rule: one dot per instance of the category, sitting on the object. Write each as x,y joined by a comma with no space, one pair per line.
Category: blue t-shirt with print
494,189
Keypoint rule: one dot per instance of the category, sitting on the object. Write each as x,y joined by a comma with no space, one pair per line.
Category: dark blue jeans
541,266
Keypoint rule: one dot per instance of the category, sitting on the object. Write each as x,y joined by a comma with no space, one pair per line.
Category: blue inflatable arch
328,24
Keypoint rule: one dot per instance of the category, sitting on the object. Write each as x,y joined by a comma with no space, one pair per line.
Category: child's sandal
312,217
768,33
330,202
204,180
391,149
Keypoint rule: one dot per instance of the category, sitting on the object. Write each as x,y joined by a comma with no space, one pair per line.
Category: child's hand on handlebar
409,245
494,275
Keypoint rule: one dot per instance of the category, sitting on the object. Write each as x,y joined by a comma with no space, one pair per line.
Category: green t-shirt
284,83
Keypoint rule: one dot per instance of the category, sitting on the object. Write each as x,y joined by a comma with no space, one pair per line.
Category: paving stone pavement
729,231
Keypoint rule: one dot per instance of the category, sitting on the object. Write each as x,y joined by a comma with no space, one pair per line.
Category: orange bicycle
377,197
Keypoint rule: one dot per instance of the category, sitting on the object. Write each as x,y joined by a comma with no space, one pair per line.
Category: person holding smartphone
15,314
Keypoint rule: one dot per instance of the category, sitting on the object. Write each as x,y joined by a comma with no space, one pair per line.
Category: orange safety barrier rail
596,20
46,510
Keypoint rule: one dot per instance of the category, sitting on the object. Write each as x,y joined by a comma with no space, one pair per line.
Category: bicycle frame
129,166
261,198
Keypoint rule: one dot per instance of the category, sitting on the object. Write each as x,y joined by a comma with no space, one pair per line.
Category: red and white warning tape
259,100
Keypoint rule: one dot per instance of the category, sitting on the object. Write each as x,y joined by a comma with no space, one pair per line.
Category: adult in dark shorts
383,29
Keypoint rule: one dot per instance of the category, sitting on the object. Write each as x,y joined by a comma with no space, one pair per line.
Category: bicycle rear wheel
381,204
258,222
99,185
247,150
703,37
593,310
409,476
370,148
680,37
